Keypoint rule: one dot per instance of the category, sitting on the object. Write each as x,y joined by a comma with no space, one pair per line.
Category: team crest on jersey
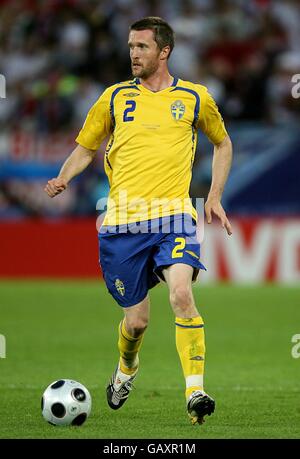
131,94
120,287
177,109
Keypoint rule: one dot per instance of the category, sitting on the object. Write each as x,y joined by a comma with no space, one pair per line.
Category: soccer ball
66,402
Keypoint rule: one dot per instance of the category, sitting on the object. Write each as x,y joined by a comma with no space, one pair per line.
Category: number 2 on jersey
177,251
131,107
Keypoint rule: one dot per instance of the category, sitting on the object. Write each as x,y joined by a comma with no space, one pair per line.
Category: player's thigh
179,278
178,274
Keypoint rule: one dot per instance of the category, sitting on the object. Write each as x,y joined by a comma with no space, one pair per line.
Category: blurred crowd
58,55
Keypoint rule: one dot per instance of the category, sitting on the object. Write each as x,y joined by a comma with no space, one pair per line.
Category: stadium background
57,58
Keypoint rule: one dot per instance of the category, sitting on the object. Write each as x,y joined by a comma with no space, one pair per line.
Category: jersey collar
138,82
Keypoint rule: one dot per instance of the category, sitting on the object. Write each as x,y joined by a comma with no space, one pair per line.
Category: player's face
144,53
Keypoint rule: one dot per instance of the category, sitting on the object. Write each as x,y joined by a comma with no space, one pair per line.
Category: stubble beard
145,73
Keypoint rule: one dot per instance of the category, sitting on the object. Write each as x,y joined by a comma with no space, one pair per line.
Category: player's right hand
55,186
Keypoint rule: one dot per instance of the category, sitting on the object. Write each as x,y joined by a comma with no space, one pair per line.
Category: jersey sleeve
98,123
210,120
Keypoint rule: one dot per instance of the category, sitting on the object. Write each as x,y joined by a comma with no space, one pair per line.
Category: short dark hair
163,32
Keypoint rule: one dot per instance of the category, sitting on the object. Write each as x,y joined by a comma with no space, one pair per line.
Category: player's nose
134,53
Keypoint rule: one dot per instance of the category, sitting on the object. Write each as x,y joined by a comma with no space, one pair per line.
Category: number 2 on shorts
177,251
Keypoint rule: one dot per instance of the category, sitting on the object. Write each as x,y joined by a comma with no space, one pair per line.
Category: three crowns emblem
177,109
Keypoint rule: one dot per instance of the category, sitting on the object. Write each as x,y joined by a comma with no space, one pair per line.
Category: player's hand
214,207
55,186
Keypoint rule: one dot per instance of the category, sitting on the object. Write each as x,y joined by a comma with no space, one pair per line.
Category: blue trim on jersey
197,105
189,326
112,111
107,150
193,145
174,82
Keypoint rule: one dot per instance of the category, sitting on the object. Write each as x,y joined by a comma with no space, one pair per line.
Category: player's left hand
214,207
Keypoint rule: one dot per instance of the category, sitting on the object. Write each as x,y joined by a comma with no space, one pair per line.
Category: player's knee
136,325
181,297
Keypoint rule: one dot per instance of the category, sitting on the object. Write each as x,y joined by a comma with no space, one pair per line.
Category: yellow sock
128,347
190,344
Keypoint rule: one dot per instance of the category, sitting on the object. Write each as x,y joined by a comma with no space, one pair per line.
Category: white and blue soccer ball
66,402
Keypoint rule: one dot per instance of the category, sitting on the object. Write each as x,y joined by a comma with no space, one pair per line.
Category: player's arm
78,160
211,123
220,169
96,127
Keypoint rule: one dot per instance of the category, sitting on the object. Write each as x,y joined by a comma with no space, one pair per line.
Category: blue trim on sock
189,326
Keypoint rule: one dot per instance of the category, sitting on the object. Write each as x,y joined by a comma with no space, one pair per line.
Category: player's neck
158,81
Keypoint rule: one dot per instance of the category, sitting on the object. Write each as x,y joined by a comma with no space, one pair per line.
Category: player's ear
164,54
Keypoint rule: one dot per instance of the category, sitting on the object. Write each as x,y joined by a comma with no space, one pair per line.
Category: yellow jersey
152,141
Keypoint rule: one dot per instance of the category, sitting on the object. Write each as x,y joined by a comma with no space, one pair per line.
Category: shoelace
195,396
197,393
124,390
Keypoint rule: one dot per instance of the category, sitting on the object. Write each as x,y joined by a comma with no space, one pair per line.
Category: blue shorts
132,260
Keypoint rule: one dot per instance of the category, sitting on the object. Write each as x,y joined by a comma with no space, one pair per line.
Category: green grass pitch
68,329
